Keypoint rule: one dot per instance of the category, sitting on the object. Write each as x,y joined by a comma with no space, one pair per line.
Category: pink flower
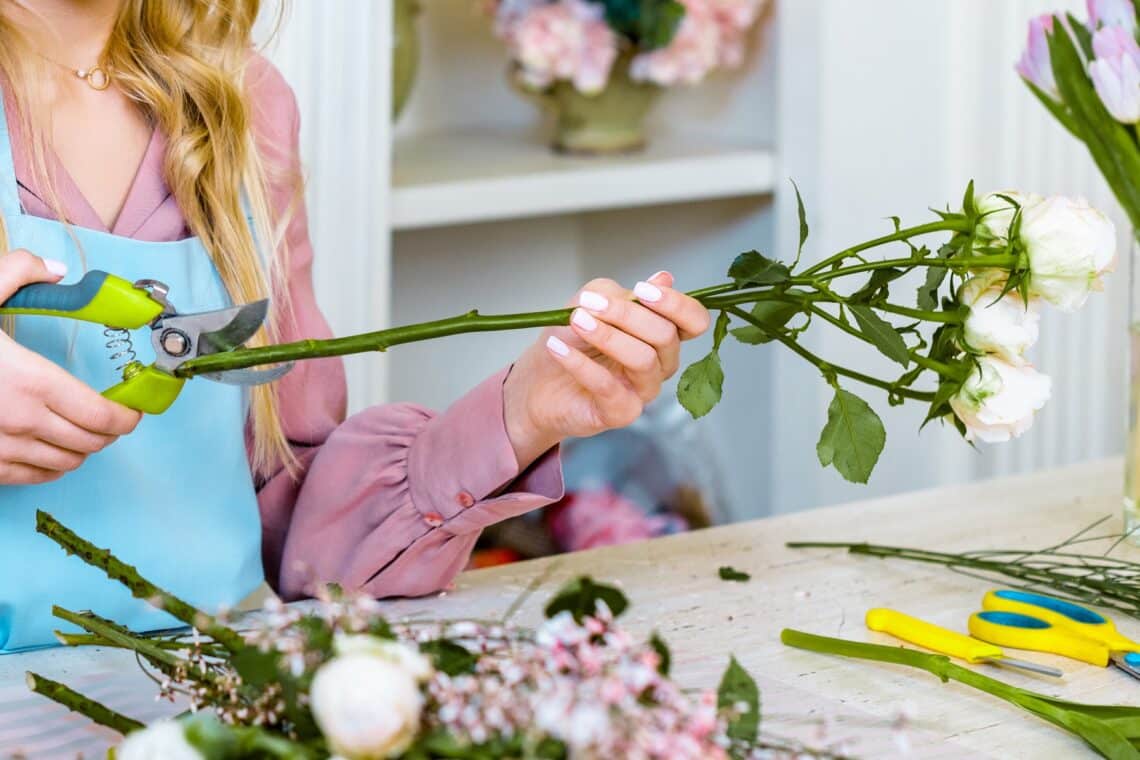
1112,13
1035,65
567,40
711,34
1116,72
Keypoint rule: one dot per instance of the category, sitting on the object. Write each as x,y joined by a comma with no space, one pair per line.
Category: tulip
1116,72
1002,325
1035,65
1112,13
997,401
367,707
164,740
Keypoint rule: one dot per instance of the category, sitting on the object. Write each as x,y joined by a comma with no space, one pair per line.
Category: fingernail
557,346
662,273
593,301
584,320
58,268
646,292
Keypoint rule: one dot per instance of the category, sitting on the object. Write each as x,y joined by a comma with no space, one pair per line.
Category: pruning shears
120,305
1025,620
947,642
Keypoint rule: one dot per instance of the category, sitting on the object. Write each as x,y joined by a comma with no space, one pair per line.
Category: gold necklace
97,77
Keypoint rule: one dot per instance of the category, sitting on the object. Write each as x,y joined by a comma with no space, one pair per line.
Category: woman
146,138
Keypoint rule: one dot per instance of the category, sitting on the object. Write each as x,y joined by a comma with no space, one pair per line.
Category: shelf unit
482,175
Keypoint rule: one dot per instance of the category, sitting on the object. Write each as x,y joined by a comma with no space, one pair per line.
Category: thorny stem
117,570
922,361
948,225
990,262
76,702
825,366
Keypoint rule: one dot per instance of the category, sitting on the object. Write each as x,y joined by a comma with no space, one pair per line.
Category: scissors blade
249,376
239,325
1033,667
1128,662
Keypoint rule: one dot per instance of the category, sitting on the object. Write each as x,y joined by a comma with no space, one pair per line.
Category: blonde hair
183,62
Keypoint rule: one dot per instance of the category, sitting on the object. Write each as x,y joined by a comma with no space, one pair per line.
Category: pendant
96,77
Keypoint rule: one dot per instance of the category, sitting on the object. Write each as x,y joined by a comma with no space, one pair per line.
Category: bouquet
667,42
960,349
336,680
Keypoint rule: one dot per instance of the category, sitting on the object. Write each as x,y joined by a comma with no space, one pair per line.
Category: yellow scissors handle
1062,614
1012,629
930,636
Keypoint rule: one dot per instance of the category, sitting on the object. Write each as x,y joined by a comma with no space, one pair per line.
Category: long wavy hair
183,63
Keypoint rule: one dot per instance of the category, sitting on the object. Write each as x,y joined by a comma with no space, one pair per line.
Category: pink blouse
390,500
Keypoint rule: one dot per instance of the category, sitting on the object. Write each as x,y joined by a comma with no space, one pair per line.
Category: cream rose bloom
998,400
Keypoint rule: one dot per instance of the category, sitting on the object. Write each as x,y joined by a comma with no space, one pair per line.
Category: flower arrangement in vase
599,65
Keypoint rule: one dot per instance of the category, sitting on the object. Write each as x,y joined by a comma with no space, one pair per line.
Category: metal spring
120,345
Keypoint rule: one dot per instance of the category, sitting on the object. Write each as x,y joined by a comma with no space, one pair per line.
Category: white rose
406,656
165,740
998,400
367,707
997,212
1069,243
1001,325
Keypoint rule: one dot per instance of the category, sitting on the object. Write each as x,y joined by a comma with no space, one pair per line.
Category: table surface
872,709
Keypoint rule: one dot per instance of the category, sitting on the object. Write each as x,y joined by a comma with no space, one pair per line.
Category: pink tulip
1116,72
1035,65
1112,13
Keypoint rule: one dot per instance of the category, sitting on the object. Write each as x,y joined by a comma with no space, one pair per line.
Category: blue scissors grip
1074,612
43,297
1013,620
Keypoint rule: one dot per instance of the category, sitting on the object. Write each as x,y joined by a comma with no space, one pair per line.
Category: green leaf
969,207
1059,110
581,596
853,437
928,291
753,268
803,222
728,573
738,687
774,313
1082,35
881,333
449,657
665,660
649,24
257,668
877,285
701,385
720,330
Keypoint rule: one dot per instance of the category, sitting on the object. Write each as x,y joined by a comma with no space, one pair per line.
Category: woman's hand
601,371
49,421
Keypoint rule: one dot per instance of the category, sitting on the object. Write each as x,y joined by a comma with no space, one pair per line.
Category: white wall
885,108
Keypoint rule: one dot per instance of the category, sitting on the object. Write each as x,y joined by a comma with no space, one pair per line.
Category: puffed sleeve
390,500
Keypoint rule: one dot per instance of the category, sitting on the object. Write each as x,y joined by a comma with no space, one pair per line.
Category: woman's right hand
50,422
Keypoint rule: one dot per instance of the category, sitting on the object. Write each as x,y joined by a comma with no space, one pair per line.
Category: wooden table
674,588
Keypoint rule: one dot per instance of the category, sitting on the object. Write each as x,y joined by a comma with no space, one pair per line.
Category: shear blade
249,376
237,325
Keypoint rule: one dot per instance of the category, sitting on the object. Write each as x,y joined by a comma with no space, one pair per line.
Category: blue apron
175,498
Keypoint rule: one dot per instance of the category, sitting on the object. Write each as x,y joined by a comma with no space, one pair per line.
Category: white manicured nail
647,292
56,267
593,301
661,273
557,346
583,319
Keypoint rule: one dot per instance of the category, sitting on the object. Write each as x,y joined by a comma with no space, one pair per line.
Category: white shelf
477,176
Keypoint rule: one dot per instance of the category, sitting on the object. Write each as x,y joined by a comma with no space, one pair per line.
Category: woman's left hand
599,373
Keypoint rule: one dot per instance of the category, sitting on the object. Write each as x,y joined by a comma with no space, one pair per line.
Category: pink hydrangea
712,34
567,40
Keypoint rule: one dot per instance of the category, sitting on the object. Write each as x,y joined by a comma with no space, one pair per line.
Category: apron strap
9,190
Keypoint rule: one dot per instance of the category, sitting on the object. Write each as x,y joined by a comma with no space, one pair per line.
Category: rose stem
76,702
141,588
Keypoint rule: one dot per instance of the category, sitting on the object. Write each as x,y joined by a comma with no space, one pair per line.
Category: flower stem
991,262
141,588
948,225
825,366
76,702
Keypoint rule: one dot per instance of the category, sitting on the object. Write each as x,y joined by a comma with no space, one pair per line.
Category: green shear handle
108,300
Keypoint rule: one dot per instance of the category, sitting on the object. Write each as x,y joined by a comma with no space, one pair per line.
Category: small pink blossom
1116,72
1035,65
567,40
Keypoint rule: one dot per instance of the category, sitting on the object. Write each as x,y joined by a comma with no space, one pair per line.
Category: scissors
1025,620
120,306
947,642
